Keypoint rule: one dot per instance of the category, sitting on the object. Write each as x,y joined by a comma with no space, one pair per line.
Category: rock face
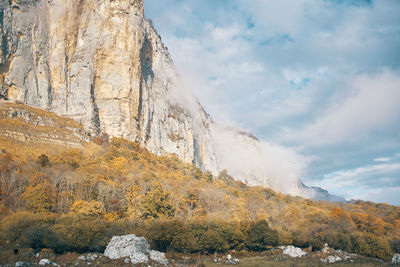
26,124
133,247
102,64
317,193
294,252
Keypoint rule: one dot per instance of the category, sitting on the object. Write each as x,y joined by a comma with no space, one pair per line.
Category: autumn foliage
77,199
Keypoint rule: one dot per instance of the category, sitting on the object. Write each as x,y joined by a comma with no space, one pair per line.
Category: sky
320,77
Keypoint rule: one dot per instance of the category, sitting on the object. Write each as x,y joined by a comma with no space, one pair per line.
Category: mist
257,162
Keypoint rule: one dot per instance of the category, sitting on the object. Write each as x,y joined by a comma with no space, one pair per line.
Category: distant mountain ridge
317,193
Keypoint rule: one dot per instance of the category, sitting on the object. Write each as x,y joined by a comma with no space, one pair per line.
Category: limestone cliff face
101,63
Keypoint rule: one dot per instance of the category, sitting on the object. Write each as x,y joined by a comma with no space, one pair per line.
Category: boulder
137,249
43,262
396,259
325,248
332,259
294,252
158,257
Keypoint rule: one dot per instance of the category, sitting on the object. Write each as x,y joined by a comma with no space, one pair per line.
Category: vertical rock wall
101,63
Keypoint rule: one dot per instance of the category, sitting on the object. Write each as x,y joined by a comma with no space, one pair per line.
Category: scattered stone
158,257
331,259
127,260
136,248
88,257
294,252
396,259
46,262
326,248
19,264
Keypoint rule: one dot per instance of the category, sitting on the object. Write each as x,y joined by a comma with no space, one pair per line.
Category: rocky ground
274,257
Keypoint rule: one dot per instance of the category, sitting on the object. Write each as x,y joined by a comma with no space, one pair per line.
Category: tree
91,208
156,204
260,236
40,195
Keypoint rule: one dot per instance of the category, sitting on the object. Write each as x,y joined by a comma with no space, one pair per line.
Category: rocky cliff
101,63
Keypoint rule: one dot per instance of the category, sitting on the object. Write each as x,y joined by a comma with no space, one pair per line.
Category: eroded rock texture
101,63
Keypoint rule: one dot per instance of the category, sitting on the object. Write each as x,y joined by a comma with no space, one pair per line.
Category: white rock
91,256
332,259
19,263
294,252
326,248
229,256
235,260
396,259
46,262
136,248
158,257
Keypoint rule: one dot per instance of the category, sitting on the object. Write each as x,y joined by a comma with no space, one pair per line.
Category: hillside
102,64
113,187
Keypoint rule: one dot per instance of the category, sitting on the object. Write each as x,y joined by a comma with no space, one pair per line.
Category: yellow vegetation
120,182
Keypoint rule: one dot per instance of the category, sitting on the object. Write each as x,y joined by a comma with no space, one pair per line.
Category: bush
39,237
83,233
161,234
260,236
371,245
43,160
395,245
212,241
12,227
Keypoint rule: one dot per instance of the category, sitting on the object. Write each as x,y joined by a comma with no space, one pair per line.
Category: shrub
395,245
161,234
13,226
260,236
83,233
371,245
43,160
39,237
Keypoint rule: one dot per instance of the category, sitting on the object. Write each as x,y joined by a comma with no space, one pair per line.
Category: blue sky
321,77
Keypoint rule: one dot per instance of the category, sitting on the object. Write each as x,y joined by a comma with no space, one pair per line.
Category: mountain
102,64
317,193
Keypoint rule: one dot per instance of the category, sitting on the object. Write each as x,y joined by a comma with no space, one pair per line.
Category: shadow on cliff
146,60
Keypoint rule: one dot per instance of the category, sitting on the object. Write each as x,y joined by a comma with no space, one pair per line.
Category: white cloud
382,159
361,182
258,162
382,195
248,62
372,102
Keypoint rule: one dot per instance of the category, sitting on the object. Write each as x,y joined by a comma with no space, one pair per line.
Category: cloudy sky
318,76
